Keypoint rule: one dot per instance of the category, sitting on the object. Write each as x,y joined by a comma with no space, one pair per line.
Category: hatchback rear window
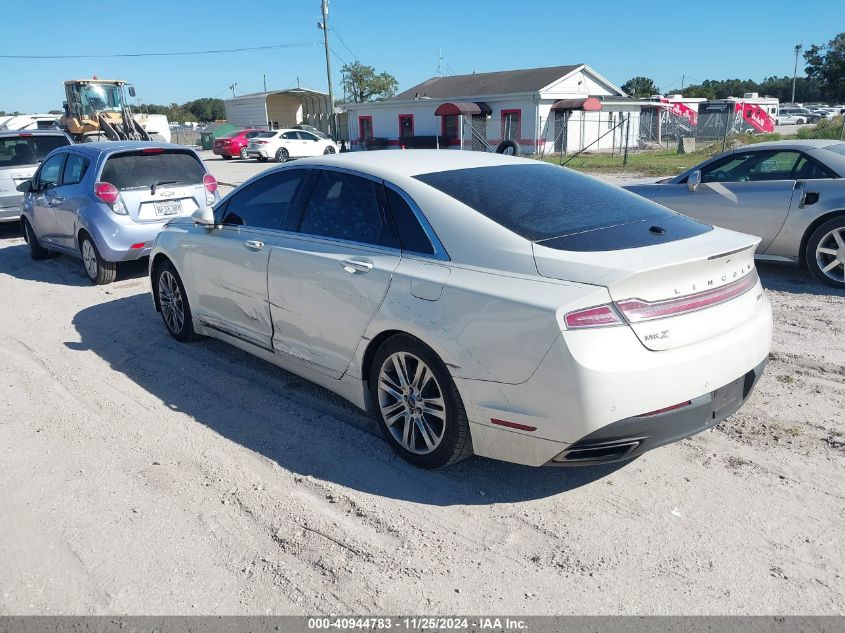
137,170
28,150
542,201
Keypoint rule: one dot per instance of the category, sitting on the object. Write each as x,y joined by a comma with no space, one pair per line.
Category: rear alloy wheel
417,404
329,150
99,271
825,254
36,251
243,153
173,301
282,155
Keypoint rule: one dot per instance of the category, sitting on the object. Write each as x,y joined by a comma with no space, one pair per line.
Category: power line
208,52
344,44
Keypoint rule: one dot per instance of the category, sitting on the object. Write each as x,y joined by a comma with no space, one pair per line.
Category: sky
670,43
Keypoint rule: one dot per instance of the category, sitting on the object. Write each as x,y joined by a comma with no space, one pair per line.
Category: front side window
347,207
307,136
265,203
51,172
752,167
75,168
774,166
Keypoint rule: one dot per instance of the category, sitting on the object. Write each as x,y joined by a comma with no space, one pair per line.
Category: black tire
36,251
455,443
282,155
508,147
99,271
170,294
816,262
244,155
329,150
799,122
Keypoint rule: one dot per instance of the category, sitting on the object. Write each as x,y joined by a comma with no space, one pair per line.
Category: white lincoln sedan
476,303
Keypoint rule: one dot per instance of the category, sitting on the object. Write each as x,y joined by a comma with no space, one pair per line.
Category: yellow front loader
97,110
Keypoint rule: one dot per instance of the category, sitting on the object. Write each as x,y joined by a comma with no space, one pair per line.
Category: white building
279,109
543,110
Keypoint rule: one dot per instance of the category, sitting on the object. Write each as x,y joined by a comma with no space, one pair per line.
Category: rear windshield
137,170
542,201
28,150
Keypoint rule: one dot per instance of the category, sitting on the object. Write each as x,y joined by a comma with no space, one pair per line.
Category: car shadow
56,269
303,428
785,277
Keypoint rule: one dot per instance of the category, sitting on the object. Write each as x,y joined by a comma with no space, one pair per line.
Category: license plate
168,207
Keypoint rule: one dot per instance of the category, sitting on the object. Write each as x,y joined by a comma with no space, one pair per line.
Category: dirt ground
140,475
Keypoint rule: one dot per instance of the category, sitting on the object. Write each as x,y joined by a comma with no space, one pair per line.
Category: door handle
353,266
255,245
52,202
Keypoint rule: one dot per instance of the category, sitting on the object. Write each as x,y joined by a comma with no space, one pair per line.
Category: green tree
640,87
362,83
827,64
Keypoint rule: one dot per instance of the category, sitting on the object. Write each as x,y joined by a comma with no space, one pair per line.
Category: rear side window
347,207
141,170
28,150
411,233
539,202
266,202
75,168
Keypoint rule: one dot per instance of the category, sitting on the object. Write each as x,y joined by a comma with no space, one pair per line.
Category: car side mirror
131,91
204,216
694,180
25,186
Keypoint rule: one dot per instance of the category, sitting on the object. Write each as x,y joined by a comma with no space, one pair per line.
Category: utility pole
265,82
798,48
324,5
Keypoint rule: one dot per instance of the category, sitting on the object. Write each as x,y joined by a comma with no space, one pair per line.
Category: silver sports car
789,193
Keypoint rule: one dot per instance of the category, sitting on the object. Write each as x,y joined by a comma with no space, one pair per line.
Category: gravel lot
141,476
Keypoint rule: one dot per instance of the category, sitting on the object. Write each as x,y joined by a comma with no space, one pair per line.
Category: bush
826,128
419,142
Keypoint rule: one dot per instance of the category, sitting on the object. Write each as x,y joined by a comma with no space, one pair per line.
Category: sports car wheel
99,271
329,150
825,254
418,405
173,301
281,155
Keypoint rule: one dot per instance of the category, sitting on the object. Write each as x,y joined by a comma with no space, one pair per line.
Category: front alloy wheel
173,302
281,155
329,150
243,153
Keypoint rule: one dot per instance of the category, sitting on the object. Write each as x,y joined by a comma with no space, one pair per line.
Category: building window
450,126
406,126
511,125
365,128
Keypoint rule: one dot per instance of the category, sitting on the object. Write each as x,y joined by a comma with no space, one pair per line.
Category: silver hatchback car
106,202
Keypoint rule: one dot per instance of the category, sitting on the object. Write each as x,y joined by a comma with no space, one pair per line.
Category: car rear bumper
224,151
593,386
256,153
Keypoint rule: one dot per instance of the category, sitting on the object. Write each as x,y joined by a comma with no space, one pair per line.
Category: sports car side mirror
204,216
694,180
25,186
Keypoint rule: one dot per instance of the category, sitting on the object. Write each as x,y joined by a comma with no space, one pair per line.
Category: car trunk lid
663,289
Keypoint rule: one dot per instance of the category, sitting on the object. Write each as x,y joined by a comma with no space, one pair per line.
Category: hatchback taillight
106,192
210,183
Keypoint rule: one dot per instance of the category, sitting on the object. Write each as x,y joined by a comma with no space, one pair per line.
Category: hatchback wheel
282,155
36,251
825,254
329,150
99,270
173,301
243,153
417,404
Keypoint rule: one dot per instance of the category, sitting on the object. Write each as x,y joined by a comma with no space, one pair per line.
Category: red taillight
106,192
153,150
210,183
636,310
674,407
597,316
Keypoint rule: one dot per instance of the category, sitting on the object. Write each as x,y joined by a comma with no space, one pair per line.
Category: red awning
464,107
590,104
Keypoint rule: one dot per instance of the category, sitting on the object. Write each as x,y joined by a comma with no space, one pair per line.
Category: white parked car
476,303
282,145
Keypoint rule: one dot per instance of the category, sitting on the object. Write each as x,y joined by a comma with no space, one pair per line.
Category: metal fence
185,137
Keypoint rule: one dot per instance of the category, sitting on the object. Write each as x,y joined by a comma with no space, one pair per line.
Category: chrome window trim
439,251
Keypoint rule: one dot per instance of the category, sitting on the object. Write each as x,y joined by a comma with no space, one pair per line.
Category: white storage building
543,110
279,109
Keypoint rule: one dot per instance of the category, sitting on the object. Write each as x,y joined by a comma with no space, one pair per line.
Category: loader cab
87,98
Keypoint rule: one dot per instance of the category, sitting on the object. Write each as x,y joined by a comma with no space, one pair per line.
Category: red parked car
233,143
